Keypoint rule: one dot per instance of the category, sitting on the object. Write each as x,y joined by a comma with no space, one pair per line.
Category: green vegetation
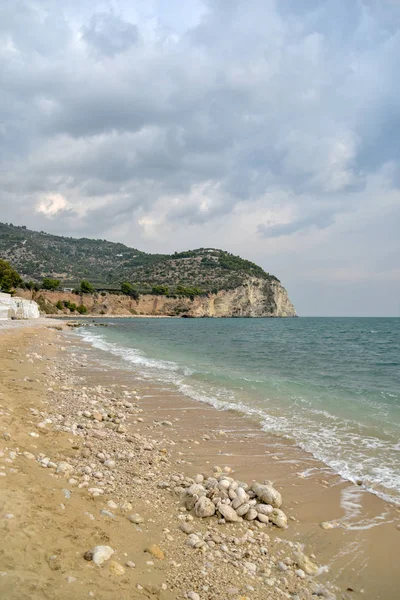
50,284
82,310
128,289
38,255
86,287
9,278
160,290
59,305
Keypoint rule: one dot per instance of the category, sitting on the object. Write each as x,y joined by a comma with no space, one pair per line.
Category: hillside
106,264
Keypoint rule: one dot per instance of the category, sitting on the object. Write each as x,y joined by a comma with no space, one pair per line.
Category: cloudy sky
270,128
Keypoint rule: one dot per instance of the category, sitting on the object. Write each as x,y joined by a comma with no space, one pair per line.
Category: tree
126,288
86,287
9,278
50,284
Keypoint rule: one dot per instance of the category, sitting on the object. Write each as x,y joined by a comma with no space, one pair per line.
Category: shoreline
179,446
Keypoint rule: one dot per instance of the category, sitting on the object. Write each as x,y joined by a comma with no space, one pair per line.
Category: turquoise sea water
330,384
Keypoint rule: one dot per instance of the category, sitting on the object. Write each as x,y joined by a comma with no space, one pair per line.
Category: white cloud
51,204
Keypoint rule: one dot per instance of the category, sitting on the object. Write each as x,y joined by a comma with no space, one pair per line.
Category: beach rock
263,518
264,509
236,502
326,525
251,514
204,507
99,554
268,495
243,509
156,551
136,519
278,518
228,513
242,495
116,568
186,527
305,564
64,468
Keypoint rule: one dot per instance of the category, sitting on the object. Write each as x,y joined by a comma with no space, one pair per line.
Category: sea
330,385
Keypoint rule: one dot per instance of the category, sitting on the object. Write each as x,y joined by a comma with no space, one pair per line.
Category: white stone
278,518
101,553
204,507
268,494
228,513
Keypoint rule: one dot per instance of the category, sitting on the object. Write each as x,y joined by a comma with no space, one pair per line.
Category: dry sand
49,520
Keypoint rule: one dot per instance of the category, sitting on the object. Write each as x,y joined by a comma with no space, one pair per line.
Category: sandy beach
93,456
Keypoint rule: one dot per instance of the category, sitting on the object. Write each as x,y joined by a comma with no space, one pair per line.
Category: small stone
251,514
116,568
268,494
136,519
99,554
204,507
326,525
186,527
305,563
228,513
243,508
156,551
278,518
130,564
193,596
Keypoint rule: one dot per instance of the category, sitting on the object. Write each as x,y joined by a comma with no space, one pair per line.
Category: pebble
130,564
116,568
193,596
136,519
99,554
156,551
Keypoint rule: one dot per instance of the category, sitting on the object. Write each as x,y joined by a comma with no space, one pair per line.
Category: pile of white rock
232,501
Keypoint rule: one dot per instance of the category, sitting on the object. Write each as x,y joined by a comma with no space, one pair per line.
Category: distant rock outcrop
254,298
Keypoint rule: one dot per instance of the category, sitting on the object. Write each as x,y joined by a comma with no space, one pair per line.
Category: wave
341,444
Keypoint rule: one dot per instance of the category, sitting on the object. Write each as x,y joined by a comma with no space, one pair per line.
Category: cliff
13,307
256,297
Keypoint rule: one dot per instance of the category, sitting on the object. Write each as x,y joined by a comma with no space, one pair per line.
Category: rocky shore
97,498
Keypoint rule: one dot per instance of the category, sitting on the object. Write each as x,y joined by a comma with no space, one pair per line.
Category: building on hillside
13,307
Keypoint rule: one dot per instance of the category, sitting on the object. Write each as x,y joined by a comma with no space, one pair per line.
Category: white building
12,307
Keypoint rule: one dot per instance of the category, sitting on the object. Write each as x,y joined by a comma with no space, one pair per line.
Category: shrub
126,288
160,290
82,310
59,305
86,287
50,284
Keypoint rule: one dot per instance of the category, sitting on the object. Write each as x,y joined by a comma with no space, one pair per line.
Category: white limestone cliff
13,307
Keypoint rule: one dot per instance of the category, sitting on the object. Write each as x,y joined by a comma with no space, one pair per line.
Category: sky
268,128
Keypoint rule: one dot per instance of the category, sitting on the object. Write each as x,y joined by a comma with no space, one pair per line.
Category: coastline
196,438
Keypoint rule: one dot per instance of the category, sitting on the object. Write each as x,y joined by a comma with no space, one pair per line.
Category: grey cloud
319,221
109,35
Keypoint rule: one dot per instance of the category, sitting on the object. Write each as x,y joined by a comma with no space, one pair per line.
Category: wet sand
362,562
361,549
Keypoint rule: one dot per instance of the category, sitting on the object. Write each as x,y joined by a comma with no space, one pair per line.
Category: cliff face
17,308
255,298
